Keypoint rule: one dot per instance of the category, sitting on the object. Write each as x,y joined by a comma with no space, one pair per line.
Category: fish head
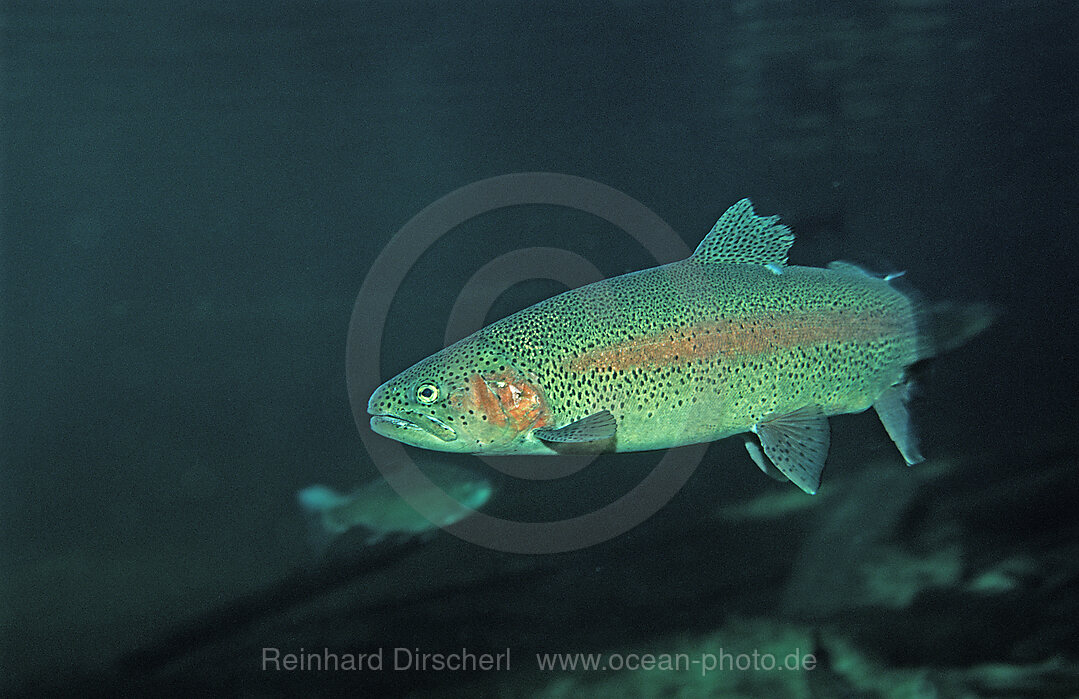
466,399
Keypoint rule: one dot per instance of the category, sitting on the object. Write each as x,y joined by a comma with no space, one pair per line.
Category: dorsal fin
740,236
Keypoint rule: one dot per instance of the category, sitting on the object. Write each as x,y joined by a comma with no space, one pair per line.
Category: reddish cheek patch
521,403
485,401
506,399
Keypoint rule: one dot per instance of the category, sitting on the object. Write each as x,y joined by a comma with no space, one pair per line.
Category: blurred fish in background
380,511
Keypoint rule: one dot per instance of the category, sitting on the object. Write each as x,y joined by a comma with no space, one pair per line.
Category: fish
731,340
382,512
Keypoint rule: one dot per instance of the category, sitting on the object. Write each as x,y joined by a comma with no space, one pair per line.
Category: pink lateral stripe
738,337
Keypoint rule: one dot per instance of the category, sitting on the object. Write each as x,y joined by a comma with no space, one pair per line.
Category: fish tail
317,502
947,325
319,498
942,327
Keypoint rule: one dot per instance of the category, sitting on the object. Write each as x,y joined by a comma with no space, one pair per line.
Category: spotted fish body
730,340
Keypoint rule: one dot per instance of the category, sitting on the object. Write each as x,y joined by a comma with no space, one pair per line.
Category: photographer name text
394,659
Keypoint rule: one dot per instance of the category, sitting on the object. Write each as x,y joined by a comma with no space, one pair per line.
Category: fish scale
626,358
730,340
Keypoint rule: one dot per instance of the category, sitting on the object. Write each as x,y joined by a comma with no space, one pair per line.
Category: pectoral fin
797,443
594,428
891,407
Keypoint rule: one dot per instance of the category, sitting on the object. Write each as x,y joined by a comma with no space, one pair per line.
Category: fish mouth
397,427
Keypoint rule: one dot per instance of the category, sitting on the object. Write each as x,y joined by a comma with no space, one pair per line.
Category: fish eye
427,393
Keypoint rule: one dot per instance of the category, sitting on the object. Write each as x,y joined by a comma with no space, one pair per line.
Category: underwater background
193,193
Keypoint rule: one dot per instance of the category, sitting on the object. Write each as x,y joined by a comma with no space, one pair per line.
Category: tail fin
316,499
942,327
947,325
317,502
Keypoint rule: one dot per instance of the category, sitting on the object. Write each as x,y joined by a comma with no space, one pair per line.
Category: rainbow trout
381,511
730,340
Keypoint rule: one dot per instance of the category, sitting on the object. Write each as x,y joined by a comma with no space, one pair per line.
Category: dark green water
193,193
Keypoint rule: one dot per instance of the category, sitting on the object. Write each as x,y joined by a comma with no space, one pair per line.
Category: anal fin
891,407
797,443
763,463
593,428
